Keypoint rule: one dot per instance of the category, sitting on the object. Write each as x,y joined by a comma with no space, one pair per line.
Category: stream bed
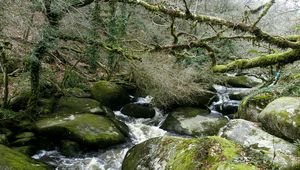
140,130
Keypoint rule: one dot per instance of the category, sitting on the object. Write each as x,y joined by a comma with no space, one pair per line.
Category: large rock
25,138
250,135
183,154
13,160
87,129
138,111
251,106
74,105
110,94
244,81
282,117
76,92
193,121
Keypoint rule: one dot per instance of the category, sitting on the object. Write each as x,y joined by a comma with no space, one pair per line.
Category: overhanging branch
257,32
261,61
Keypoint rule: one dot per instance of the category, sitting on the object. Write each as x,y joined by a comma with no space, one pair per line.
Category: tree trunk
5,77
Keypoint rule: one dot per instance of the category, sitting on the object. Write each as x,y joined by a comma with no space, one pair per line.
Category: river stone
110,94
74,105
249,134
13,160
282,117
244,81
251,106
178,153
138,111
87,129
69,148
193,121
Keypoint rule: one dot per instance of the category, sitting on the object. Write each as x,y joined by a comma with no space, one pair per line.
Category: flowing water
109,159
140,130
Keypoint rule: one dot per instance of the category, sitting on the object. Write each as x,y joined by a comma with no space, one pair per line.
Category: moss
233,166
69,148
188,112
86,129
251,106
110,94
181,153
138,111
260,61
14,160
73,105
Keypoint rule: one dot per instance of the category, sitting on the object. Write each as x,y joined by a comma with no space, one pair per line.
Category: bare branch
265,11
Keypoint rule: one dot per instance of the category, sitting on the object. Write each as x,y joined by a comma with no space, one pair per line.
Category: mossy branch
261,61
108,47
260,35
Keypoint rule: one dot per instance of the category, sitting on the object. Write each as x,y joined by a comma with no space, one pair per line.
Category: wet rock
25,138
227,107
244,81
193,121
69,148
282,117
87,129
251,106
14,160
110,94
250,135
138,111
27,150
183,153
73,105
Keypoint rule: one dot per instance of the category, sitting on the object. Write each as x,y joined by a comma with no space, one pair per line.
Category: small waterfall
111,158
225,105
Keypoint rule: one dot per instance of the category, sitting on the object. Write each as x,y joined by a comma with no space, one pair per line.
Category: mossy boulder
193,121
46,105
244,81
178,153
74,105
25,138
69,148
250,135
110,94
13,160
27,150
76,92
138,110
20,101
282,118
251,106
87,129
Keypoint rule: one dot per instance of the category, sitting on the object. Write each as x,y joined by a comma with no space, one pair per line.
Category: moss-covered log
261,61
